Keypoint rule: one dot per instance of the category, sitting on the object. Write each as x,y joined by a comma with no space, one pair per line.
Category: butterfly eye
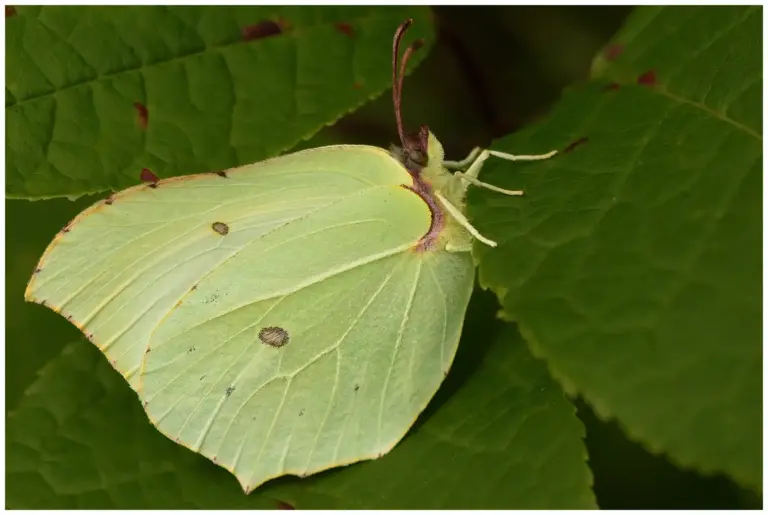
417,156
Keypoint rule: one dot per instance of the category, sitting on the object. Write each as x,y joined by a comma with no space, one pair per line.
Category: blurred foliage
491,71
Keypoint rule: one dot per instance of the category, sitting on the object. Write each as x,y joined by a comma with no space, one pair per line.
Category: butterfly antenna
397,78
395,82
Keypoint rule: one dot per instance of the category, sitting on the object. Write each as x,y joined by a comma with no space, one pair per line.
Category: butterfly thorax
434,179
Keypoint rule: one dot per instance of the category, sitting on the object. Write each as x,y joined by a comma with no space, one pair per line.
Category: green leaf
32,335
499,434
633,263
214,99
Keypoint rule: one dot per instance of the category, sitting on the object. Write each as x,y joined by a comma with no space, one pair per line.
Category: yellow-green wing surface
280,318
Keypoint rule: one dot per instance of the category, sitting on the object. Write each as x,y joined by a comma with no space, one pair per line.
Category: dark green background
492,71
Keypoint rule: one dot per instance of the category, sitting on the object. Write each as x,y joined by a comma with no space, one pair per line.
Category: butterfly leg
474,170
464,163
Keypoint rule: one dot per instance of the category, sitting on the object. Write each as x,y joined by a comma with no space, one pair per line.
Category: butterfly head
420,149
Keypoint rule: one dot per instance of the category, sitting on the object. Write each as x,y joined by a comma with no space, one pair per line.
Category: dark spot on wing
222,174
648,78
575,144
229,391
345,28
274,336
220,227
263,29
142,114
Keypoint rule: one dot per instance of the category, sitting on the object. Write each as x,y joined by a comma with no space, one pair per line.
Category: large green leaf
214,96
633,263
499,434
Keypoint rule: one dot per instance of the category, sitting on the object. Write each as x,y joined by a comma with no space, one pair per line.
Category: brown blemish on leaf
260,30
147,175
274,336
575,144
648,78
613,86
229,391
37,270
110,200
357,85
142,114
222,174
220,227
282,505
613,52
194,287
345,28
10,11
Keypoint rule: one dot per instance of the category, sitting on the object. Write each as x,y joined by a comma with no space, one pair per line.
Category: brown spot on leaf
345,28
613,52
142,114
147,175
260,30
575,144
220,227
109,201
194,287
357,85
10,11
613,86
282,505
37,270
274,336
648,78
222,174
229,391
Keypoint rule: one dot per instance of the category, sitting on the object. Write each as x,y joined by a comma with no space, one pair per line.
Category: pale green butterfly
287,316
